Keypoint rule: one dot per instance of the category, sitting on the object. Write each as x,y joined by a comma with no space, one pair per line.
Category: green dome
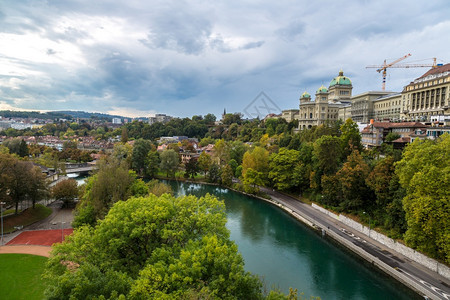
305,95
341,80
322,89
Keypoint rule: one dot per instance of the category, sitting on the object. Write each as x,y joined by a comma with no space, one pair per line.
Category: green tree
66,191
424,173
350,137
204,162
227,175
169,162
123,152
191,167
327,153
257,160
152,164
285,169
214,173
139,188
391,136
355,193
154,247
110,184
124,136
139,156
221,152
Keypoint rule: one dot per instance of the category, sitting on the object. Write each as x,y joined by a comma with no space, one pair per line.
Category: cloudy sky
182,58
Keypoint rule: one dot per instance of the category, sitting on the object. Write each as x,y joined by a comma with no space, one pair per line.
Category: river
287,253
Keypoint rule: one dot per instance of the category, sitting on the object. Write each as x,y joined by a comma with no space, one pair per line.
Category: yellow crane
382,68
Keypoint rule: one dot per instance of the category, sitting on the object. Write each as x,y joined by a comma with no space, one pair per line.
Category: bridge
81,169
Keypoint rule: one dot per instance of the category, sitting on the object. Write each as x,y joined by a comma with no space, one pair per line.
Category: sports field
20,276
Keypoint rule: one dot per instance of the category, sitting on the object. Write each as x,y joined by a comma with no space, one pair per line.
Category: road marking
350,234
429,286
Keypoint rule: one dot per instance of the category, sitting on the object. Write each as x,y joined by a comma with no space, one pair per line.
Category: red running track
40,237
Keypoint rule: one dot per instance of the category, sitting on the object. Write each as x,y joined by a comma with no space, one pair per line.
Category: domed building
325,106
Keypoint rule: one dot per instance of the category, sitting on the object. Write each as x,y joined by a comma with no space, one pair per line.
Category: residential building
374,134
428,95
159,118
116,120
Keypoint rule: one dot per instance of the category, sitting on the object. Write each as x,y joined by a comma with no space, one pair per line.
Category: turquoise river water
286,253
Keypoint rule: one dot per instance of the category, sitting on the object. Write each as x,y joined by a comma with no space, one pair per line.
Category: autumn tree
66,191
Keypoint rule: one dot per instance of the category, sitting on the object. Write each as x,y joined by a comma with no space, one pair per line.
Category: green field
20,276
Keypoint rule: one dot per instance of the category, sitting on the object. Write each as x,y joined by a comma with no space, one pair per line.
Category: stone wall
412,254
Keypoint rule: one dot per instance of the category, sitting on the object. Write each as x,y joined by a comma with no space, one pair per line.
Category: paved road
64,215
431,281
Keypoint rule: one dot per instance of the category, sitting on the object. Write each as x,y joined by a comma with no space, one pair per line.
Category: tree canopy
152,248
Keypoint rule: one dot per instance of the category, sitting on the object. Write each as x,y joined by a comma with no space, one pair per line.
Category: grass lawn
20,276
26,217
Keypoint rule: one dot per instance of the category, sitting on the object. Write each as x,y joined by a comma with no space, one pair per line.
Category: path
437,286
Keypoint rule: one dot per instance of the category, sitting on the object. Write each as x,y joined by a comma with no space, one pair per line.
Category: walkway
437,287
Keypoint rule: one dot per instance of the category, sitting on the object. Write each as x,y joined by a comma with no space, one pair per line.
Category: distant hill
63,114
34,115
88,115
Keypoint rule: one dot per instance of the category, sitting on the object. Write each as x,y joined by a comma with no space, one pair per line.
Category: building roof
437,70
387,125
322,89
340,80
405,139
306,95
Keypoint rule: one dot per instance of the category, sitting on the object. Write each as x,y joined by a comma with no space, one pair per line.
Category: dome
305,95
322,89
340,80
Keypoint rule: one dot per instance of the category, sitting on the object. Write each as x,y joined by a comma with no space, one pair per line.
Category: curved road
437,286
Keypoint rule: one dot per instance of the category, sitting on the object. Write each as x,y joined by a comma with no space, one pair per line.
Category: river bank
414,276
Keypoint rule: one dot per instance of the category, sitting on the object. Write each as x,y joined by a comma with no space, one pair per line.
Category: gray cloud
187,58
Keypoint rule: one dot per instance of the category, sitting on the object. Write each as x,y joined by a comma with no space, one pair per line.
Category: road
437,286
58,215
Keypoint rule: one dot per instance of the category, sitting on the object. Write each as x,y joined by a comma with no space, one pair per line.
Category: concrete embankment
373,260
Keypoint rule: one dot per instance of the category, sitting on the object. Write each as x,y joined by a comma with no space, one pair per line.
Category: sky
182,58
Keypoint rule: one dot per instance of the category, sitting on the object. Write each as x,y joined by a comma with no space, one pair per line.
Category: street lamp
369,221
1,213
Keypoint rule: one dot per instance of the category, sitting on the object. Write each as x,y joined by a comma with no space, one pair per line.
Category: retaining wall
412,254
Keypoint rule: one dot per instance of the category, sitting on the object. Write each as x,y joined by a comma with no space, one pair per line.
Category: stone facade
326,104
388,107
363,105
428,95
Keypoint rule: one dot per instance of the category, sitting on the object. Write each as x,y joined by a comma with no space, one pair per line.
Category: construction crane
385,65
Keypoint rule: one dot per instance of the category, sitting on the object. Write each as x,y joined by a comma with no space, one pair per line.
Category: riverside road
437,287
